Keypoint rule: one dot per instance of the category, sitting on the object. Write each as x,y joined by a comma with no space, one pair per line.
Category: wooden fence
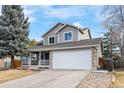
16,64
103,63
119,64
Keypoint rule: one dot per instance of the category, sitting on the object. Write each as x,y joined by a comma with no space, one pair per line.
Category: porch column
39,58
50,59
30,59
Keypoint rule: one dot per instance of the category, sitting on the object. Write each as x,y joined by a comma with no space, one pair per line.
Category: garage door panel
72,59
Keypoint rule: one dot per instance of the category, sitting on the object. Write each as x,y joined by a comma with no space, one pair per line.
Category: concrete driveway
48,79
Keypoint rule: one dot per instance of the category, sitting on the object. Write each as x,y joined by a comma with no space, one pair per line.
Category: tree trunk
12,61
121,62
121,59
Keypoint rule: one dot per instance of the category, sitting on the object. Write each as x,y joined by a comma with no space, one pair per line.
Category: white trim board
64,36
54,40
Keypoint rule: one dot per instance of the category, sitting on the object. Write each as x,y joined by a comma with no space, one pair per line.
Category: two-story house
66,46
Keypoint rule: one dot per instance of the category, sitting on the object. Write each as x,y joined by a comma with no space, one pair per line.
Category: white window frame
49,38
64,36
34,55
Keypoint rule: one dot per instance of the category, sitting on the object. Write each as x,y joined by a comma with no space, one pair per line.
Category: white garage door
72,59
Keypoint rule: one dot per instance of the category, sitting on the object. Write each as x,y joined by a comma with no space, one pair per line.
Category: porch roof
87,43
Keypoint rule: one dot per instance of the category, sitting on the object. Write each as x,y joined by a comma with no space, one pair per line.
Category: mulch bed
96,80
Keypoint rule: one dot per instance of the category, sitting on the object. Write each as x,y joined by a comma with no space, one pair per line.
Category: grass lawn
13,74
119,80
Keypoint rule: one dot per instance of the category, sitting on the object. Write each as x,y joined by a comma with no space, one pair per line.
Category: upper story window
68,36
51,40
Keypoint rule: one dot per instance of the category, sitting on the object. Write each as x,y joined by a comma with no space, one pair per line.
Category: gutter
76,47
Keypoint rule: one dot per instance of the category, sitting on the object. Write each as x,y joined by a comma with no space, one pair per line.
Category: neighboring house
116,51
66,47
5,62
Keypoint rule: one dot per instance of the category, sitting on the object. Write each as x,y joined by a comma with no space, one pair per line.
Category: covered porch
39,59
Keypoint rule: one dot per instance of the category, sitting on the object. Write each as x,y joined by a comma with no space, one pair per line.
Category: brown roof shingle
75,44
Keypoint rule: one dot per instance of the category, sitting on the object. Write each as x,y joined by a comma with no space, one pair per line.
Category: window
44,55
51,40
68,36
34,56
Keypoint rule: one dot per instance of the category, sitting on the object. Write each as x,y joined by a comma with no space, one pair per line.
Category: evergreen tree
14,30
106,45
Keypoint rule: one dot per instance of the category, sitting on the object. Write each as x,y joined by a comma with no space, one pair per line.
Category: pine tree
108,45
14,30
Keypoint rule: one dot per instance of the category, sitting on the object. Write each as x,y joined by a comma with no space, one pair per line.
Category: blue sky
43,17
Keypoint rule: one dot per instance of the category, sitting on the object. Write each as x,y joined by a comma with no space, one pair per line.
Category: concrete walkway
48,79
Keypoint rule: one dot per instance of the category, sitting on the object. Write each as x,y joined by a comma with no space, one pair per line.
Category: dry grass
13,74
119,80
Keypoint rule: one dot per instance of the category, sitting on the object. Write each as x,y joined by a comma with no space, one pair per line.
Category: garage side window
68,36
51,40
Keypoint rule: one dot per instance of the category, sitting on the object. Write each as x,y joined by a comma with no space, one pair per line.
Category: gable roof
89,33
86,43
64,25
52,28
80,29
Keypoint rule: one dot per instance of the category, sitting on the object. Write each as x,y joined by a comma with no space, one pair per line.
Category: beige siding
94,58
99,51
99,54
68,29
50,59
59,37
83,36
51,33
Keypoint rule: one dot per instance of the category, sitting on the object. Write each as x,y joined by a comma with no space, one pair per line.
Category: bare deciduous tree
114,22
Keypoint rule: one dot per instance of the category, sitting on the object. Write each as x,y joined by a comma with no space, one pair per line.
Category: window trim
64,36
49,38
34,55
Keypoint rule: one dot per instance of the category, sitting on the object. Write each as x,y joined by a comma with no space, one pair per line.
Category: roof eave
62,48
51,29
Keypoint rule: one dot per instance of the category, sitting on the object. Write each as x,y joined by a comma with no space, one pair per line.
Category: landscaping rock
96,80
